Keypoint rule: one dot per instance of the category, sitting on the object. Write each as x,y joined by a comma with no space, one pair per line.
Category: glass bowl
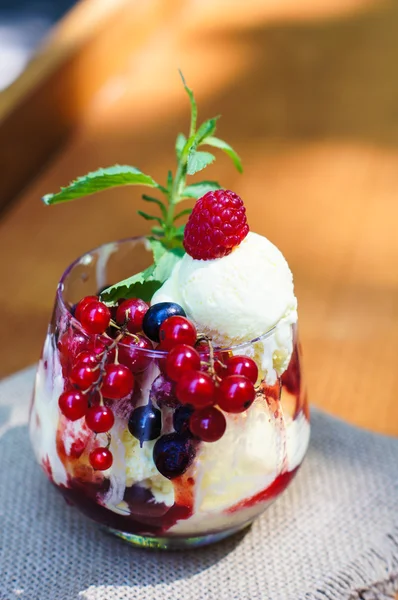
224,485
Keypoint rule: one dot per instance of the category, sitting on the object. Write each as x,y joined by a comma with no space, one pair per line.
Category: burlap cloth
332,535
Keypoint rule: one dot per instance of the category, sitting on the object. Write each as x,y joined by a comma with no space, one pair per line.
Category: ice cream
239,298
236,298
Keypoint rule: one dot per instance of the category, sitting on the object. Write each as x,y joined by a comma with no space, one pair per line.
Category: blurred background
309,98
23,25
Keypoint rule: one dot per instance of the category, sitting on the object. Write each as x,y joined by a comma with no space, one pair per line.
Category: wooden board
308,93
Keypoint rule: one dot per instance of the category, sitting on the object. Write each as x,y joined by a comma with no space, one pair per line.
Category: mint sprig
165,234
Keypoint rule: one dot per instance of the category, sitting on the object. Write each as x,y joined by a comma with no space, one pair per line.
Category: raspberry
216,226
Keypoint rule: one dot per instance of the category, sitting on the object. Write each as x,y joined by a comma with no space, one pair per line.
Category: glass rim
145,351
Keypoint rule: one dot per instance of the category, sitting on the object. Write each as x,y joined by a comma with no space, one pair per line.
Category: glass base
175,543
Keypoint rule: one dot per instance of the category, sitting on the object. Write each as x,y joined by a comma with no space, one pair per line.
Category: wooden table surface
309,95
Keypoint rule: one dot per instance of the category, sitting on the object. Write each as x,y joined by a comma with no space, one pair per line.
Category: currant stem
97,384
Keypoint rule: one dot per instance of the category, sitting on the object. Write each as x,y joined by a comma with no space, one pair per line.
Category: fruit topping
177,330
208,424
181,359
117,383
156,315
235,394
196,388
99,419
173,454
145,423
131,313
82,304
73,404
131,353
82,376
95,317
101,459
242,365
216,225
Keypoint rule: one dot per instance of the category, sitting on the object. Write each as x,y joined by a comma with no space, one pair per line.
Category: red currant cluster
196,381
218,382
100,367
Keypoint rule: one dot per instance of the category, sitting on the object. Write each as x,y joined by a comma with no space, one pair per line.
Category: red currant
219,357
242,365
101,459
196,388
83,376
87,358
132,352
99,419
208,424
177,330
73,404
82,304
70,344
181,359
97,345
132,312
95,317
118,382
235,394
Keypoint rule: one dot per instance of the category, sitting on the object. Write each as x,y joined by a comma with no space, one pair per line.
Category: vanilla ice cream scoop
236,298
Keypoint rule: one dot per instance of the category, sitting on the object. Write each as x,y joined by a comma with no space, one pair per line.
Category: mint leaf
198,161
136,285
150,217
166,264
100,180
158,249
197,190
217,143
156,201
180,143
206,129
145,284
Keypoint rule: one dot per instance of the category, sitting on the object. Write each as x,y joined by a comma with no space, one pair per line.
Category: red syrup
270,493
147,516
47,468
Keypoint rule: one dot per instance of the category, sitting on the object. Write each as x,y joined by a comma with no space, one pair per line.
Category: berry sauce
270,493
147,516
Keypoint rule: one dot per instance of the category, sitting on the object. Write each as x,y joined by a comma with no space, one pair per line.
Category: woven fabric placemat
332,535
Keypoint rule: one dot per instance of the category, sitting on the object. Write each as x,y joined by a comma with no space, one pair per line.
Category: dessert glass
228,483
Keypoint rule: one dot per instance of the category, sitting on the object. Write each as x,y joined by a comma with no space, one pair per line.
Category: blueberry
156,315
145,423
181,418
173,454
163,392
